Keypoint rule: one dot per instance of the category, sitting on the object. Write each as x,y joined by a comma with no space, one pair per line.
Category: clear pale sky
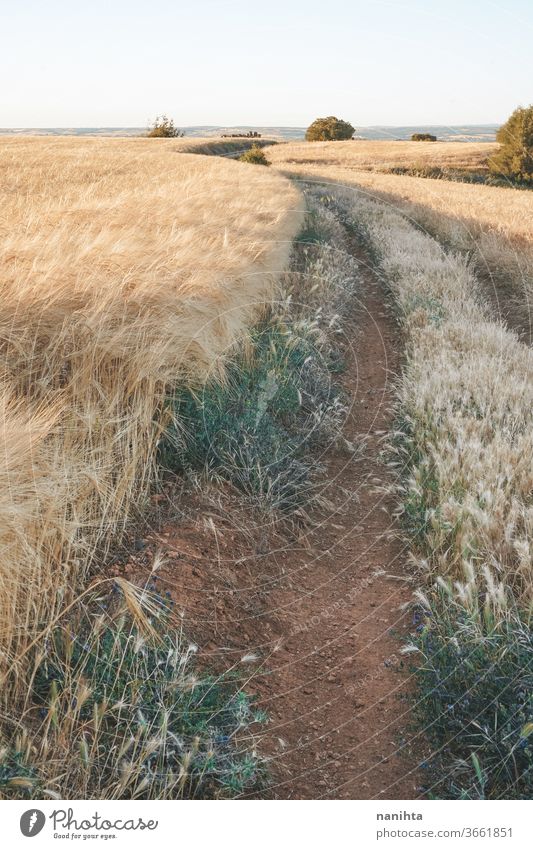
68,63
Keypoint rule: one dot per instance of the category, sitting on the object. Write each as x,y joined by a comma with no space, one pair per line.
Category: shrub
475,694
254,155
423,137
164,128
329,129
514,159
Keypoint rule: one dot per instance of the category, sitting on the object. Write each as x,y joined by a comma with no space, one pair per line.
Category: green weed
475,695
123,711
257,428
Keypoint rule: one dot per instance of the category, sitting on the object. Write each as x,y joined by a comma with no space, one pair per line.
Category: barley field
493,224
126,269
359,155
488,209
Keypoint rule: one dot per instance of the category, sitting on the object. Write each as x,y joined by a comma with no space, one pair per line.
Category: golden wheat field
493,224
500,211
126,268
362,155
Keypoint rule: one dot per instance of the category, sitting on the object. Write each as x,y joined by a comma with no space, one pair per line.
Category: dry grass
125,269
223,147
119,708
466,399
473,208
380,155
464,447
494,224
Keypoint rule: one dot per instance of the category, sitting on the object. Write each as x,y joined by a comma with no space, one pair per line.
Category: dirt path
336,689
321,610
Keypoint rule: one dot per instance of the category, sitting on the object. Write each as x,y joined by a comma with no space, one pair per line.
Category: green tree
514,159
329,129
164,128
423,137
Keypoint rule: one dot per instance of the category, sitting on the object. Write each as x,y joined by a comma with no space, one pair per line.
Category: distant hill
467,132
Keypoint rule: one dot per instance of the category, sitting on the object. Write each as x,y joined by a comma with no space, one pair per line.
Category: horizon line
223,126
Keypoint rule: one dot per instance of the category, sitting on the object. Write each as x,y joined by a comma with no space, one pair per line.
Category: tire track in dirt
338,689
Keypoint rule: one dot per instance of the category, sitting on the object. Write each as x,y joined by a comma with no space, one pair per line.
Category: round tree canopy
329,129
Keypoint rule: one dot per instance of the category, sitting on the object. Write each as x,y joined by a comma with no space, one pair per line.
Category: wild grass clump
254,155
324,275
257,428
19,778
475,690
119,709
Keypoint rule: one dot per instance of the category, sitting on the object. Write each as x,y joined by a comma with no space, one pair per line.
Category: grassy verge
464,447
258,429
